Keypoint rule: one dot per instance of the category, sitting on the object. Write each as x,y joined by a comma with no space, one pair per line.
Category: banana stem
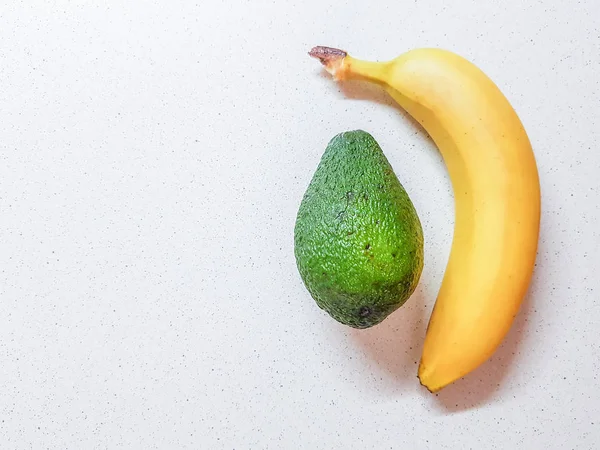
331,58
342,66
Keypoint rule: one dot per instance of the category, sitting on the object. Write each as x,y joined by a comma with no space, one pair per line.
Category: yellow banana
495,181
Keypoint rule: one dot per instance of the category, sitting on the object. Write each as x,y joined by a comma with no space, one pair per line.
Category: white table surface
152,159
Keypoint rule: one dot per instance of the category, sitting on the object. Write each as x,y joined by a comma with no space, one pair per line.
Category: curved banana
496,193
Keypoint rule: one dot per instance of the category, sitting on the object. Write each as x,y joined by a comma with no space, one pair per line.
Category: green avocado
358,241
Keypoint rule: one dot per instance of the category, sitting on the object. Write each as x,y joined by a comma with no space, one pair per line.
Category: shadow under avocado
396,343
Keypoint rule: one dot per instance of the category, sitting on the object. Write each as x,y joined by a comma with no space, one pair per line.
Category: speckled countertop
152,159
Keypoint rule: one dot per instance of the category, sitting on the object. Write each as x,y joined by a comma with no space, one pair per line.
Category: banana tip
431,391
427,384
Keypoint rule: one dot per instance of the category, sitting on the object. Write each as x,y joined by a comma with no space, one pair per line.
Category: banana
497,201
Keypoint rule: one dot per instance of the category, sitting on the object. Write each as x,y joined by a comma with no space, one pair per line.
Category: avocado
358,241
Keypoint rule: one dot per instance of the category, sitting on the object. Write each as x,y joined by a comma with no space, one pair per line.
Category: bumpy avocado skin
358,240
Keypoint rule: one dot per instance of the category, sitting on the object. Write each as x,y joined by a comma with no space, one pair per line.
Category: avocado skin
358,241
